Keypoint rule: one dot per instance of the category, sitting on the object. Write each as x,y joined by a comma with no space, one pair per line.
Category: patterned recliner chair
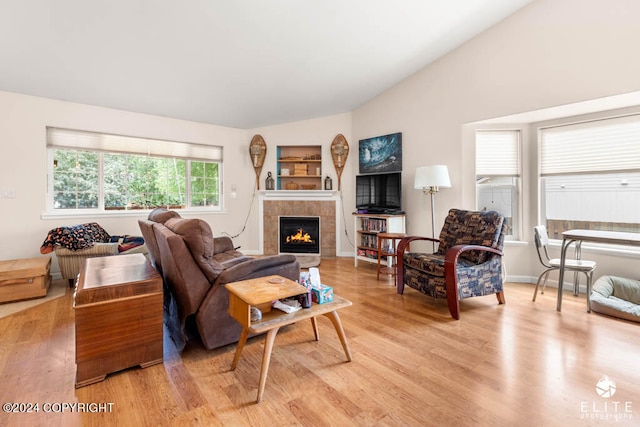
468,262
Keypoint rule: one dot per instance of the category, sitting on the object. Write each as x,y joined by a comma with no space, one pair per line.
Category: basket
308,186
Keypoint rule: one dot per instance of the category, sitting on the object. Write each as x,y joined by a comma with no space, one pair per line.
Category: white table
597,236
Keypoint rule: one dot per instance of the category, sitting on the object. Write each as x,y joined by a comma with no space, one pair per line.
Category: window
590,175
101,172
498,175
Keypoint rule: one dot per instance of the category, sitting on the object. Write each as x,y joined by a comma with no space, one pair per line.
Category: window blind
609,145
498,153
94,141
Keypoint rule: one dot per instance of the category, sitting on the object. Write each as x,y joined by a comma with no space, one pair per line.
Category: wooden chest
118,310
24,278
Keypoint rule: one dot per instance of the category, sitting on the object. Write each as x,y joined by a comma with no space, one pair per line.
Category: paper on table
288,306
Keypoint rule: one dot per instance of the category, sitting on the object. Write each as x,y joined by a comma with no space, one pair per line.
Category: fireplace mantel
322,203
298,194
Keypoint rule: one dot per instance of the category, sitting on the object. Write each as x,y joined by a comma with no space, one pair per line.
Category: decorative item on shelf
269,183
258,151
339,154
284,172
328,183
430,179
291,186
308,186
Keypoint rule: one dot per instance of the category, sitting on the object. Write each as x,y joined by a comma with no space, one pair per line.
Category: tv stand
380,211
367,226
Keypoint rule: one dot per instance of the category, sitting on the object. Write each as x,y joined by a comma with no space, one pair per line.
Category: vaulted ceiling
241,64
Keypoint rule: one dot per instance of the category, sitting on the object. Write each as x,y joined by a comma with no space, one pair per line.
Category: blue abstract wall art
381,154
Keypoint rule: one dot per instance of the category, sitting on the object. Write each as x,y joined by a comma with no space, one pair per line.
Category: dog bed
617,297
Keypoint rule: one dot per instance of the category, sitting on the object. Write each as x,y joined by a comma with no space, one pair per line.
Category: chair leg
576,284
500,296
453,300
535,292
454,309
399,280
544,283
545,274
589,283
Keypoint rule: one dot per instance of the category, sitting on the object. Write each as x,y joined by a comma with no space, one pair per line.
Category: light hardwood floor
521,363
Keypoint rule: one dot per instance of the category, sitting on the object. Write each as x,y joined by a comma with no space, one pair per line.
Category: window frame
517,205
100,210
576,169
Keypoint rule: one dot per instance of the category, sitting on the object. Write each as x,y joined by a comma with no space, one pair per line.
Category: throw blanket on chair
75,237
127,242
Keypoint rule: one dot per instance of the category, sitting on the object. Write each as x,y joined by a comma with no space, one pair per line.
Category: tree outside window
131,181
75,180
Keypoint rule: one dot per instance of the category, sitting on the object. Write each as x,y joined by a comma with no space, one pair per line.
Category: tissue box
321,294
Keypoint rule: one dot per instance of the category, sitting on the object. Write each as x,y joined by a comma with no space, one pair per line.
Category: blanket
75,237
127,242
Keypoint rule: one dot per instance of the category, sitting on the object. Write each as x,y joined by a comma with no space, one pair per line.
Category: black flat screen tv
379,193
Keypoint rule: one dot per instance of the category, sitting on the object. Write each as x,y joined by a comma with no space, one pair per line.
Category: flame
300,236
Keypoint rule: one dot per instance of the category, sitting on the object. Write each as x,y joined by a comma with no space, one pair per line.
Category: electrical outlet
7,193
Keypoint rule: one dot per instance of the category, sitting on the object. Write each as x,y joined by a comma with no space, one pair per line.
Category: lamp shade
432,176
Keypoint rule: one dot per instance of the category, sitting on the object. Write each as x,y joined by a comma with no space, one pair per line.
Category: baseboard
568,286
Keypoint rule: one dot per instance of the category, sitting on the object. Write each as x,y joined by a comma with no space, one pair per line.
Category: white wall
550,53
23,121
320,131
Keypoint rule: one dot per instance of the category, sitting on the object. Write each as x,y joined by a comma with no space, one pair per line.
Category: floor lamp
430,179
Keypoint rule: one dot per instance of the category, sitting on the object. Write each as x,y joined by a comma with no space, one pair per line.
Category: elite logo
606,387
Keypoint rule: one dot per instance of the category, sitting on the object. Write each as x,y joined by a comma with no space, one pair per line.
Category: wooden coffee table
260,293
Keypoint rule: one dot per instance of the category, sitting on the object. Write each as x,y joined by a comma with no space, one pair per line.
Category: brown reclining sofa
195,266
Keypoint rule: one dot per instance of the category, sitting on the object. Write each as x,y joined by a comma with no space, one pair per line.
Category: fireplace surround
322,204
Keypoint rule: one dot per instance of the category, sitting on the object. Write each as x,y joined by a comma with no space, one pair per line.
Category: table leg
576,275
266,358
241,343
316,332
379,256
563,258
335,319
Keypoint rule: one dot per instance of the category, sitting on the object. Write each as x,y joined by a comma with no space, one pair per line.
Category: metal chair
576,265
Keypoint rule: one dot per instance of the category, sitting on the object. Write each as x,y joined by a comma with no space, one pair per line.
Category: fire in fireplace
299,235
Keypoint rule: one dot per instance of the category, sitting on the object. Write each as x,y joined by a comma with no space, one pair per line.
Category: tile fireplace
320,204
